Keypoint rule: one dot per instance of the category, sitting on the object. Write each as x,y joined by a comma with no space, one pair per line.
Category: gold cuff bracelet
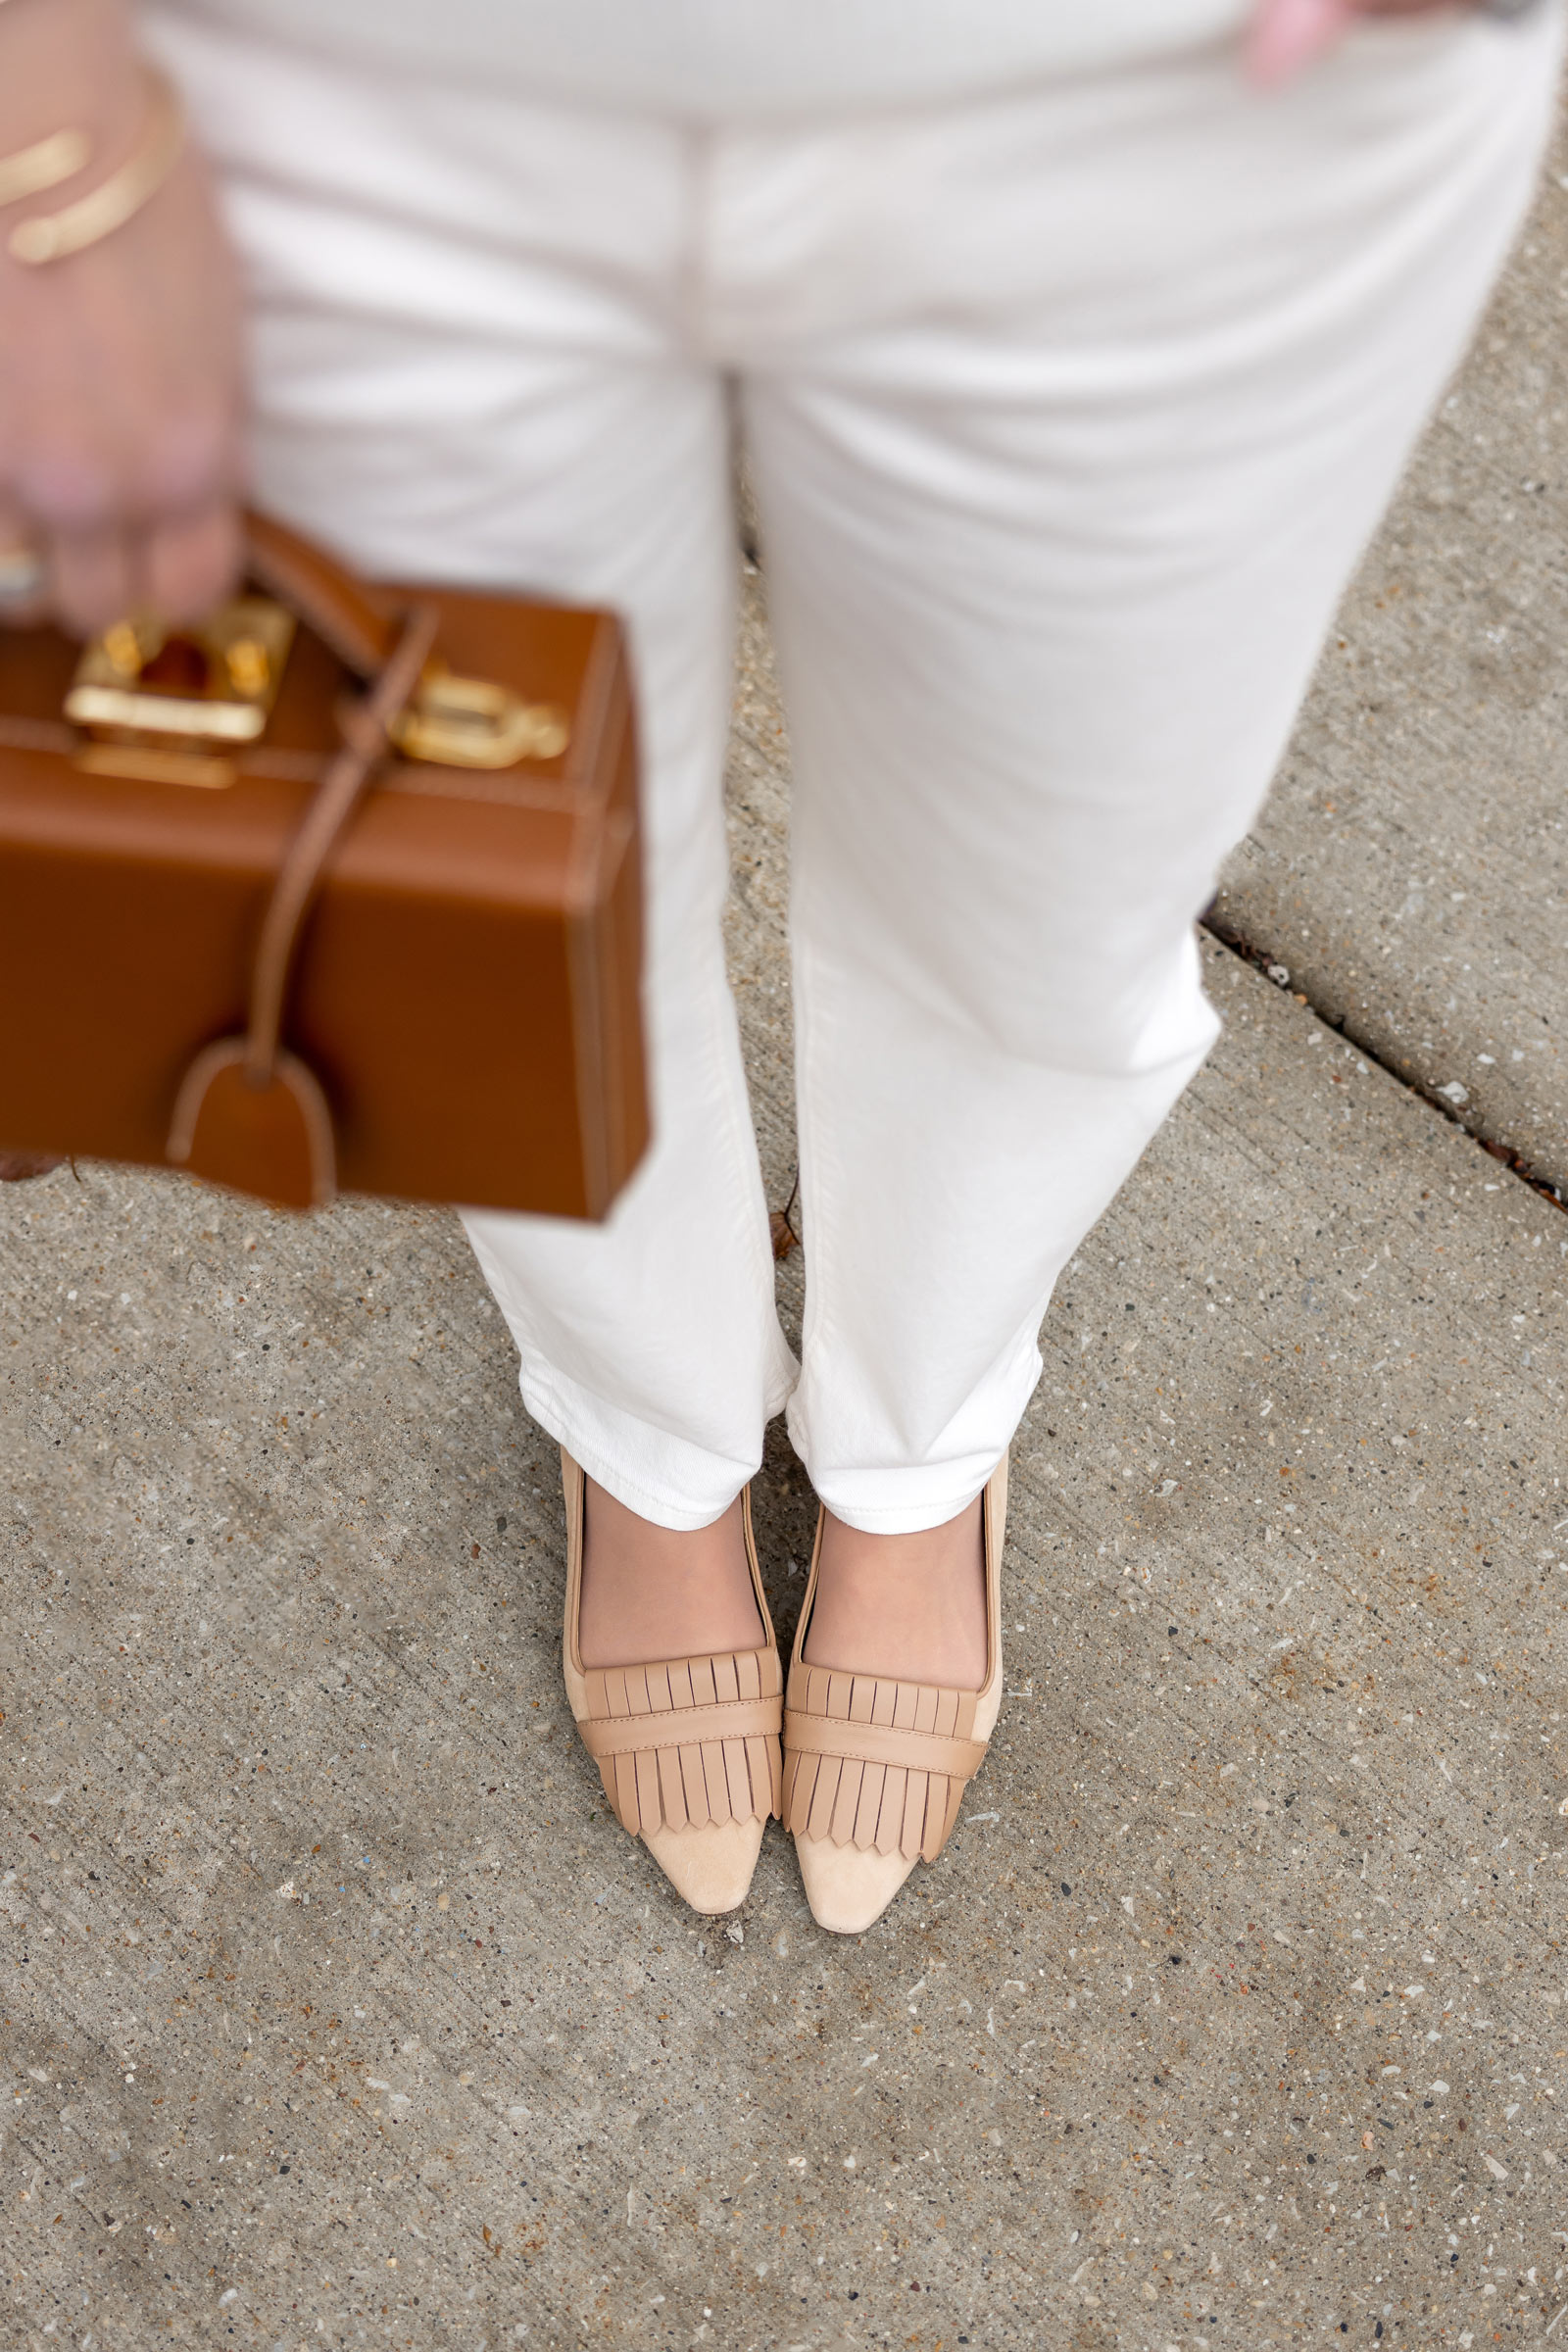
45,165
52,236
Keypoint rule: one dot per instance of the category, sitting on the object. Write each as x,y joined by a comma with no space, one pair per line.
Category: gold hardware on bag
155,700
164,704
468,722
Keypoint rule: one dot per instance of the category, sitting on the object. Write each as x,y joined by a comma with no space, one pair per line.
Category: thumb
1285,35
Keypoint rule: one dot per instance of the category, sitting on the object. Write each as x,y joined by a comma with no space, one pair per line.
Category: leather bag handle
320,591
249,1113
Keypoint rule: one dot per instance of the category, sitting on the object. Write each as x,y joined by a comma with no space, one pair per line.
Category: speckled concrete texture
336,2010
1410,869
756,793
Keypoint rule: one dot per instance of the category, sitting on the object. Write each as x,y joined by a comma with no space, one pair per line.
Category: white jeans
1070,411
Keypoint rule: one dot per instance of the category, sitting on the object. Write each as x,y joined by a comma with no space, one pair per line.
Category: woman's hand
1286,34
119,365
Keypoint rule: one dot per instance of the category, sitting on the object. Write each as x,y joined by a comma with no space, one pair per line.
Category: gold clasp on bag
163,705
173,706
468,722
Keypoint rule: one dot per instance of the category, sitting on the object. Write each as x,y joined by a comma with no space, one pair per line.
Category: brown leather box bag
338,892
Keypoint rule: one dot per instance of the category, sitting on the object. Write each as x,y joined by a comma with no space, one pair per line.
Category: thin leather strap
680,1727
363,726
882,1743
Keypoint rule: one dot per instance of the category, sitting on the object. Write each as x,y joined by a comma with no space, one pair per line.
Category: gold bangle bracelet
31,170
52,236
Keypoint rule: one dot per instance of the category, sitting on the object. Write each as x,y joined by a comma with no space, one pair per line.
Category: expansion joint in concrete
1496,1146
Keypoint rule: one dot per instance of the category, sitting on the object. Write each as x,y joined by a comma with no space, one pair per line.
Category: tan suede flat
688,1749
875,1769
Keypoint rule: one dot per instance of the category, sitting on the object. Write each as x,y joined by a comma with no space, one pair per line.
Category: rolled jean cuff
907,1518
655,1473
902,1500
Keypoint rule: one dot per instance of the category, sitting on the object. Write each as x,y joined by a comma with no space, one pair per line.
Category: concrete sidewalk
336,2011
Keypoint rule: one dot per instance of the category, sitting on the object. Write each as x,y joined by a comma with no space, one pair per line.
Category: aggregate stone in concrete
1410,868
337,2011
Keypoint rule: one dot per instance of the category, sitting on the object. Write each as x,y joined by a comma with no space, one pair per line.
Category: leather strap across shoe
688,1749
875,1768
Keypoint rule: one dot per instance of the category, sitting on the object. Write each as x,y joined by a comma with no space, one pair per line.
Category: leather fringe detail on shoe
682,1743
881,1765
837,1785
